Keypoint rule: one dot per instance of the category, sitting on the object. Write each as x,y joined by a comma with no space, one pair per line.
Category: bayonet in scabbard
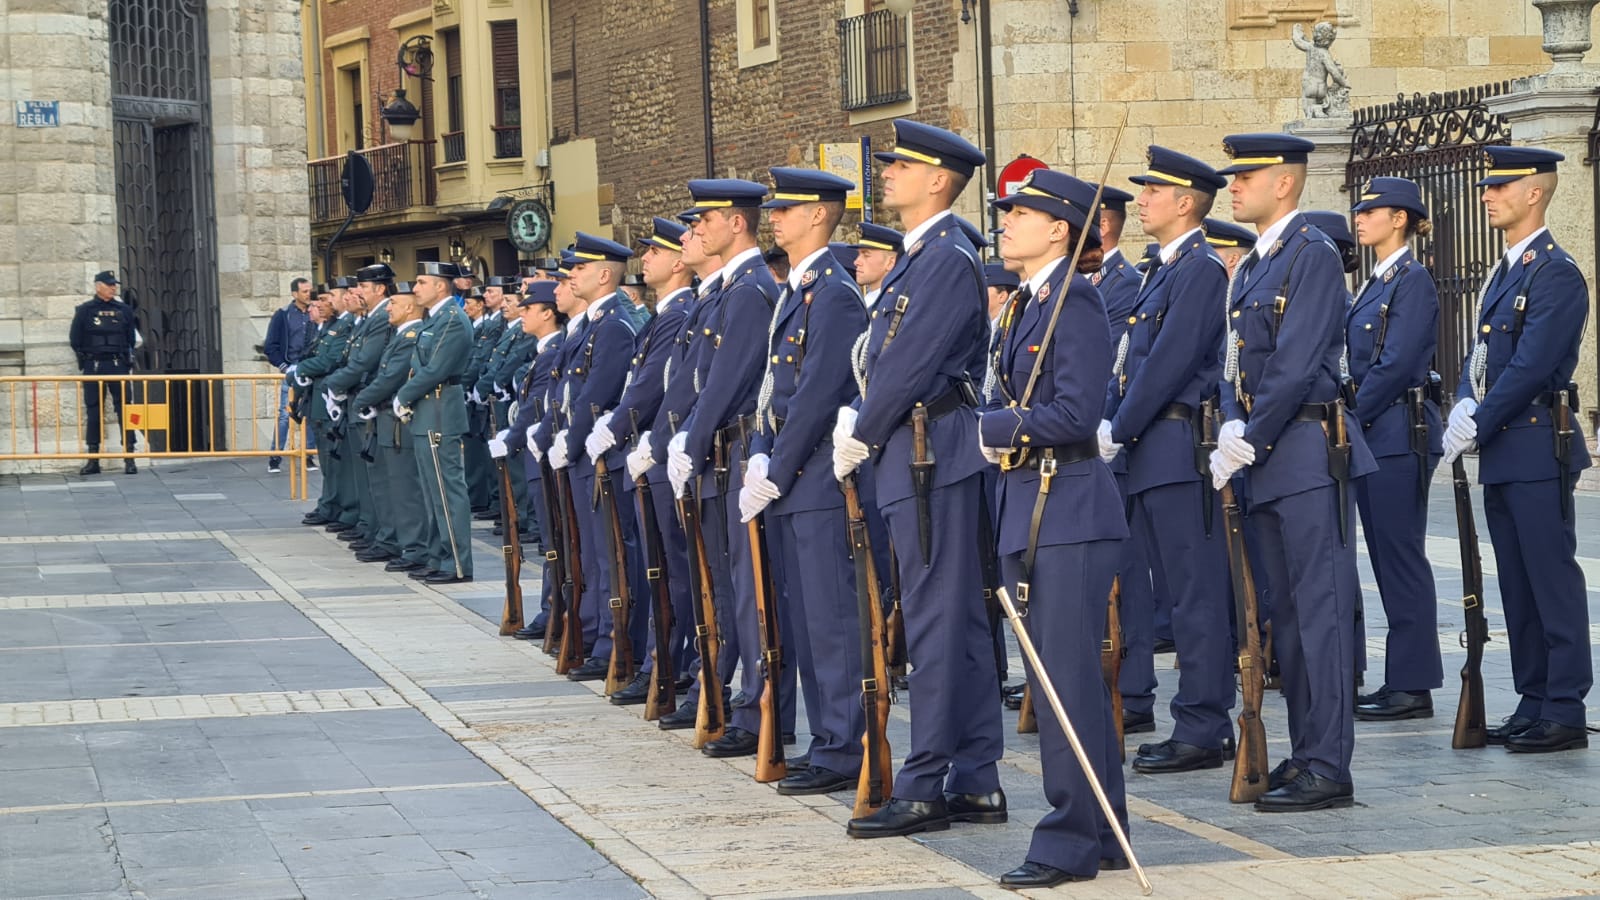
1339,464
922,481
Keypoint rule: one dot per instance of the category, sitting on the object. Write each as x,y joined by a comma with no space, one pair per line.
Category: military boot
92,466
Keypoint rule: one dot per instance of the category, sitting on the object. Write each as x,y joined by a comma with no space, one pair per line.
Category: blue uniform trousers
535,484
955,692
742,610
824,621
1546,602
1066,619
1394,519
1197,569
594,530
675,569
1137,679
1314,587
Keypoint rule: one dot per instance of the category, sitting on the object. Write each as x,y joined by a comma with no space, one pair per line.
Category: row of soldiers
719,481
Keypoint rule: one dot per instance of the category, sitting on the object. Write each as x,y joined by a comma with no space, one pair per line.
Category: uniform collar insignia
808,277
1527,257
1276,246
1389,275
914,248
1044,292
412,333
1096,277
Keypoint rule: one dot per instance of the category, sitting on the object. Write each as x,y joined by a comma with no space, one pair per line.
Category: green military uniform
444,348
395,463
366,348
486,335
336,502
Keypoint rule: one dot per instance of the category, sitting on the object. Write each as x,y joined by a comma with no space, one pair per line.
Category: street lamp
415,58
401,115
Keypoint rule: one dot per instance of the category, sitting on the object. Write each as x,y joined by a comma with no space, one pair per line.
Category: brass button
1533,420
1241,343
1026,439
1236,313
1132,320
774,359
1367,327
788,359
1487,329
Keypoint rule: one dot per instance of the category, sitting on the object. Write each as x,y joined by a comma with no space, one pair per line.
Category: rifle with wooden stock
1471,730
511,618
662,697
710,719
554,541
770,762
876,782
571,654
620,670
895,626
1112,651
1250,762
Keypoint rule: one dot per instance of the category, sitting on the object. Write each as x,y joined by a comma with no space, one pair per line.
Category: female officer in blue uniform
1390,335
1061,517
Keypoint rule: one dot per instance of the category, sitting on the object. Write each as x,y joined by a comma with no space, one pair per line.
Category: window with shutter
507,90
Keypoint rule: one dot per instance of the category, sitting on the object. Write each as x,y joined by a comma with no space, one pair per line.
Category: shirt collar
574,323
1271,235
1170,250
1389,261
1515,253
434,309
664,302
545,341
918,233
1108,259
798,273
731,267
597,309
1043,275
406,324
871,297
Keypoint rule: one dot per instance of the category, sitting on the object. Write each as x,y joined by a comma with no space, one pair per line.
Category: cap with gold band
724,193
1057,194
1392,193
918,142
1507,164
1163,166
879,237
1115,199
592,248
792,187
1227,234
1248,152
666,234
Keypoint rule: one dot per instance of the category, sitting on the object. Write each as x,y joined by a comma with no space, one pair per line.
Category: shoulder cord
1478,368
764,396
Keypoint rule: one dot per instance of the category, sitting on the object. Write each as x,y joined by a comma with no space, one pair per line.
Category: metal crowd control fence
173,416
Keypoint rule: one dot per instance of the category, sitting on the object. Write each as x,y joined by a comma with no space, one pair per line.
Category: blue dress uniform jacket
811,378
681,385
1402,308
647,382
1118,283
1390,335
1542,589
536,386
596,369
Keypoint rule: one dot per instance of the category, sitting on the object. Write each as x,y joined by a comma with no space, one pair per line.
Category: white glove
1108,448
497,446
1462,428
502,434
500,393
992,454
403,413
848,452
331,405
532,432
474,397
339,397
751,503
558,450
538,455
1231,443
367,414
1223,468
291,371
600,437
755,478
299,382
680,468
1453,449
639,459
844,425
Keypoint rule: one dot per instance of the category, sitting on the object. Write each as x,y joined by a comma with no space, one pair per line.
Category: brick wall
382,76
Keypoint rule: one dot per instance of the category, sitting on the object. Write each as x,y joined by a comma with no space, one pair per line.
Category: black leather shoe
593,669
447,578
1138,723
1284,773
128,467
313,518
1305,793
979,809
734,742
420,573
337,527
1038,875
401,565
374,554
498,531
637,691
898,818
814,780
1512,725
739,700
350,536
1114,864
485,515
683,683
1165,645
92,467
1374,697
530,632
1392,706
796,763
1176,756
679,719
1546,736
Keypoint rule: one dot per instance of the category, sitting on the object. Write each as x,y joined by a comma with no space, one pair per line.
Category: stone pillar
1325,168
1566,33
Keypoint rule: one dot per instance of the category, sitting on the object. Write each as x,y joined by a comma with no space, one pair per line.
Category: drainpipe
705,86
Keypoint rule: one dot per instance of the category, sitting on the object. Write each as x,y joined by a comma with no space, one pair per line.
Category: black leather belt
1063,455
1046,461
1180,412
958,395
1311,412
1548,398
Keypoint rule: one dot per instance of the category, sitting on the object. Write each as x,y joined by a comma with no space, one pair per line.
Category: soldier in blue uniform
102,336
1298,448
668,276
877,250
594,363
927,333
1230,241
432,404
728,367
1166,370
1516,394
1391,334
1062,521
789,479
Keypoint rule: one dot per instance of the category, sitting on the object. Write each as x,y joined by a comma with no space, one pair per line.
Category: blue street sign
38,113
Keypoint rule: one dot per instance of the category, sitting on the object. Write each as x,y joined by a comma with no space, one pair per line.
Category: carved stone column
1566,32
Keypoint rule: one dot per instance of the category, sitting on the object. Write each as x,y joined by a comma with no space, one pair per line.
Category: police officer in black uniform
103,338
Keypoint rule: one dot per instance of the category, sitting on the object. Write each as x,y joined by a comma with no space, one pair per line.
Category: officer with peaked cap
1168,375
1391,333
369,338
103,337
661,534
808,377
728,368
1061,516
432,404
926,336
1516,394
1230,241
877,251
338,508
394,456
1289,436
487,330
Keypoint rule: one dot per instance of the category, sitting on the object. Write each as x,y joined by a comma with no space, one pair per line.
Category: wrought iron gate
166,223
1437,141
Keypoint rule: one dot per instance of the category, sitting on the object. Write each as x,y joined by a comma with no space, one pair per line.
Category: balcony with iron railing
507,141
455,146
874,60
402,175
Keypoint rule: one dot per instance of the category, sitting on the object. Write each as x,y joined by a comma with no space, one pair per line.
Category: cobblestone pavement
199,698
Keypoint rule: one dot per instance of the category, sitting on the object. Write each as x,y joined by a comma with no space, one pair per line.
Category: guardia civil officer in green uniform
488,326
431,402
338,508
376,538
393,456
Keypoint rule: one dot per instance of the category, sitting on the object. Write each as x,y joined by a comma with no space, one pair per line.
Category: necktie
1248,263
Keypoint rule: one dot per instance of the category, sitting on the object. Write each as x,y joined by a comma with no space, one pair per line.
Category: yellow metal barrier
175,416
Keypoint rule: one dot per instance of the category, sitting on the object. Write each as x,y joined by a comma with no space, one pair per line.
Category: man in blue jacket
288,335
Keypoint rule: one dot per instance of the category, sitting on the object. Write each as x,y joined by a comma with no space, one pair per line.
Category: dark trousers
92,392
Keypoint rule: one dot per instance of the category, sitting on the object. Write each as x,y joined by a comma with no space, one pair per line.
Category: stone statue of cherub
1324,92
